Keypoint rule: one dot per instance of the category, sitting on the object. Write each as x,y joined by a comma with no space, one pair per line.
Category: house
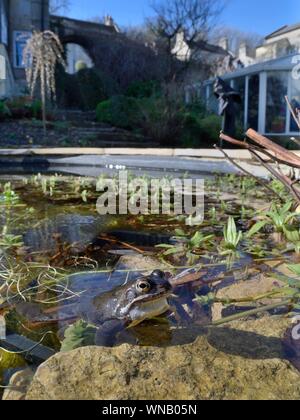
263,84
284,41
18,19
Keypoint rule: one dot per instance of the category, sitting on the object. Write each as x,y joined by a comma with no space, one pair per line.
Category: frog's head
145,298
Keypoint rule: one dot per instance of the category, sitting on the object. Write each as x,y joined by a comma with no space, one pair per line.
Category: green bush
4,111
21,107
167,121
120,111
201,131
162,119
84,89
144,89
91,88
36,109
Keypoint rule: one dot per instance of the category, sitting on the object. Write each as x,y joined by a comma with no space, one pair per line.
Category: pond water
58,255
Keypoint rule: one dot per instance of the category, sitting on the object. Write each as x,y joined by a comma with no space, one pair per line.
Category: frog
128,305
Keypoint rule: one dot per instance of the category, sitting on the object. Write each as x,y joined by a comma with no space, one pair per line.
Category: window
212,101
20,40
3,23
253,102
239,84
295,101
277,86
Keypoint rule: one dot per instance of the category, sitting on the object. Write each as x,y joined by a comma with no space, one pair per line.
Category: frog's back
98,309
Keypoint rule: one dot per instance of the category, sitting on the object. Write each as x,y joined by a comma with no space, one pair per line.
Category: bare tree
58,6
194,17
192,20
235,38
142,34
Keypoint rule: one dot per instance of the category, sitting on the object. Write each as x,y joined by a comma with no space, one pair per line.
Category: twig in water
258,180
237,317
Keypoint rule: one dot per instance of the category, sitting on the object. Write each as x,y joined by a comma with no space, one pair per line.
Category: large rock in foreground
241,362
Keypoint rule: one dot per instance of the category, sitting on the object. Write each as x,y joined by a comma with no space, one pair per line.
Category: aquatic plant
232,237
224,206
280,218
247,185
10,241
187,246
80,334
84,196
9,196
212,213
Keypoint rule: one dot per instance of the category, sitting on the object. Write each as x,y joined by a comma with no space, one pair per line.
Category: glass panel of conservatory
212,103
239,84
295,101
203,95
253,103
277,86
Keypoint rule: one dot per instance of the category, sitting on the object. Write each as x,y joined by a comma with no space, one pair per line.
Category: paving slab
129,151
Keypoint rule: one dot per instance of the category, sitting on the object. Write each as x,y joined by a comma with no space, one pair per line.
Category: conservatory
263,87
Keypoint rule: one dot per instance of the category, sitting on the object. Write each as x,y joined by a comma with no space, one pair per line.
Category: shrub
20,106
165,120
84,90
201,131
4,111
36,109
144,89
91,88
162,119
120,111
68,93
23,107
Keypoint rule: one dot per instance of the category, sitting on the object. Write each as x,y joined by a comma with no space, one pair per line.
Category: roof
205,46
281,63
284,30
92,25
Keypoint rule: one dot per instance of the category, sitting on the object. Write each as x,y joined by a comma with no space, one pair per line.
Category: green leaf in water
78,335
294,268
257,228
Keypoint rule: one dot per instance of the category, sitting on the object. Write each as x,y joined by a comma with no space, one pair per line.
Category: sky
259,16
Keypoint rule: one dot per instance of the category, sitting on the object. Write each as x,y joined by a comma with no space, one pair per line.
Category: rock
141,262
242,361
258,285
18,385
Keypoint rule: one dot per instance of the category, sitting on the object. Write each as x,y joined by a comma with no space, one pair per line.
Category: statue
228,101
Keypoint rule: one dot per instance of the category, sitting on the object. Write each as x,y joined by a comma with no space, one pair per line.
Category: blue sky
261,16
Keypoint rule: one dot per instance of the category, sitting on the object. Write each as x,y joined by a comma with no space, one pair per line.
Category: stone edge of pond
75,151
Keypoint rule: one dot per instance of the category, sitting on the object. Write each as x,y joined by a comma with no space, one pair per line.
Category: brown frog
128,305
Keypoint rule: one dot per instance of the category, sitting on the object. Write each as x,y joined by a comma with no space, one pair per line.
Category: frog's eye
143,286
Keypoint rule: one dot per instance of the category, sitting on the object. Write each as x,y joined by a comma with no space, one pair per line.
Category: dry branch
289,158
276,154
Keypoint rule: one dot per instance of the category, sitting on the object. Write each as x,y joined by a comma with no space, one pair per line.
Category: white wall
76,53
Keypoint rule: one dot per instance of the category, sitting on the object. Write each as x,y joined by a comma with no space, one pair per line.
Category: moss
10,361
